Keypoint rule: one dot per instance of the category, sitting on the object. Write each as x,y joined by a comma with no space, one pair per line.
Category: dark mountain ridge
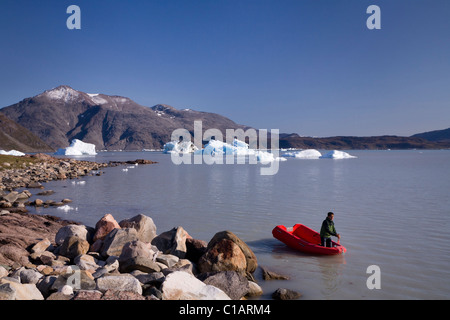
15,137
110,122
436,135
118,123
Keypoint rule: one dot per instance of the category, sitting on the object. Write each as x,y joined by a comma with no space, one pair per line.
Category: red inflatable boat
304,239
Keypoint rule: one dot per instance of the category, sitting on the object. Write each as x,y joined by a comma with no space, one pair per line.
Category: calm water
392,209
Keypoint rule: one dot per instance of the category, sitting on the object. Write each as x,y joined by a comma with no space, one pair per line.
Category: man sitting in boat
328,230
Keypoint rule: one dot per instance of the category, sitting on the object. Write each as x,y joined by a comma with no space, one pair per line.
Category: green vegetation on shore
13,162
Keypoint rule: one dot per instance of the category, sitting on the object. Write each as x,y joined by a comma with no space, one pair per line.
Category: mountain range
110,122
53,118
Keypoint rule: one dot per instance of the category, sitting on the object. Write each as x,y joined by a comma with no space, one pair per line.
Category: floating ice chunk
12,153
77,148
304,154
217,147
179,147
79,182
336,154
238,148
67,208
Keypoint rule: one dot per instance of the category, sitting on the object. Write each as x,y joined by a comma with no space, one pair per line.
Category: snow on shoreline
12,153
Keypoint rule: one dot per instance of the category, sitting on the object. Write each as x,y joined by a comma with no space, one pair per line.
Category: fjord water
392,209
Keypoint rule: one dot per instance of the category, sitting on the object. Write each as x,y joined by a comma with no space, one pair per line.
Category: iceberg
179,147
77,148
217,147
238,148
336,154
12,153
304,154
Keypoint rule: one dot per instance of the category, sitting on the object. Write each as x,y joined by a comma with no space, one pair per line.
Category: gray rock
88,262
42,246
78,279
254,289
144,225
29,276
74,246
11,197
137,255
181,285
3,272
71,230
45,285
120,283
234,284
271,275
154,278
116,239
285,294
167,259
172,242
27,291
7,292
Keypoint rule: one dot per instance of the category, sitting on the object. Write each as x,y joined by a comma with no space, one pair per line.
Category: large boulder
27,275
119,283
144,225
224,255
77,279
116,239
195,249
233,283
79,231
172,242
104,226
13,290
138,255
227,252
180,285
285,294
88,262
74,246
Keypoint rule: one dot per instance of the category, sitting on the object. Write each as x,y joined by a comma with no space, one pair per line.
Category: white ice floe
78,182
238,148
336,154
12,153
67,208
77,148
179,147
304,154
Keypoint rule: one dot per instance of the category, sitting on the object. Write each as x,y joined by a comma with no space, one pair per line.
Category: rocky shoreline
125,261
46,258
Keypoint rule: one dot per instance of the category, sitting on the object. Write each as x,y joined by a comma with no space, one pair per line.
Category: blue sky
305,66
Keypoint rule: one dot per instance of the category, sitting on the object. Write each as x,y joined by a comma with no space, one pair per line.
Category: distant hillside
361,143
110,122
15,137
436,136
